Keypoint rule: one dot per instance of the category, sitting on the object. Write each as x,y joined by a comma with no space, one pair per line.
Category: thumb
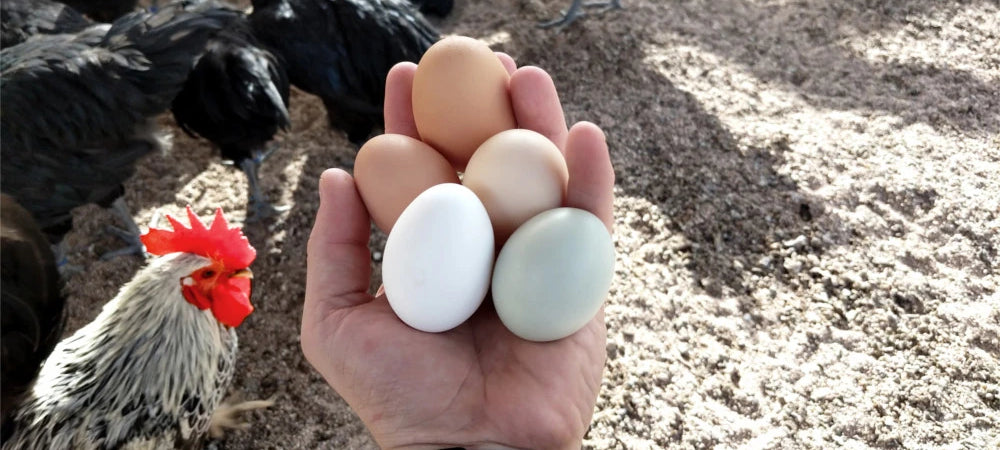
338,265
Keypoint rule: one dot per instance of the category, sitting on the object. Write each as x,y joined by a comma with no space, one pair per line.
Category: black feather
439,8
32,302
103,10
21,19
237,94
77,109
341,51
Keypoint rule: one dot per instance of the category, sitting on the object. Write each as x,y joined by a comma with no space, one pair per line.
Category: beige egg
517,174
460,97
392,169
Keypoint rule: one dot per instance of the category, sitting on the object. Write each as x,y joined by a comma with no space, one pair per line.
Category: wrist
555,440
476,446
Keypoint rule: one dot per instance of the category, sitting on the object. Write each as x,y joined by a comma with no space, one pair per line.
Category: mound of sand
808,206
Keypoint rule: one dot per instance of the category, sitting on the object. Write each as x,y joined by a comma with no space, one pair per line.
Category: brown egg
391,170
460,97
516,174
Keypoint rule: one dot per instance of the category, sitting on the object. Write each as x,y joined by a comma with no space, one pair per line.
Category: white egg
438,258
553,274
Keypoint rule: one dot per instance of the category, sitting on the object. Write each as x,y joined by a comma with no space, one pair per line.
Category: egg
438,258
516,174
553,274
390,171
460,97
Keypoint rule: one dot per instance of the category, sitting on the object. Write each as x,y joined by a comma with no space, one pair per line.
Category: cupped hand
475,386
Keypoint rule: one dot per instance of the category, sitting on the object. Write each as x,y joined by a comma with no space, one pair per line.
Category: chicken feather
77,110
341,51
147,373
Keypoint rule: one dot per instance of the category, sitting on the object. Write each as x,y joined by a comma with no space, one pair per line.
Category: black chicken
21,19
32,302
341,51
77,110
438,8
102,10
576,10
236,97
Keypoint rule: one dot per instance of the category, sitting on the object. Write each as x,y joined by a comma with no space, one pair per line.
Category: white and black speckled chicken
78,110
152,369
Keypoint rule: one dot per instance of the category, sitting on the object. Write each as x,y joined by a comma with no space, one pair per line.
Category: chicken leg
130,234
259,207
61,254
576,10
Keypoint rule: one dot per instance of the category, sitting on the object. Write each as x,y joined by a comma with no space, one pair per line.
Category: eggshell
553,274
392,169
516,174
438,258
460,97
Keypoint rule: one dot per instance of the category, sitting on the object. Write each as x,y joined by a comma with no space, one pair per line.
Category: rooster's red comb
217,242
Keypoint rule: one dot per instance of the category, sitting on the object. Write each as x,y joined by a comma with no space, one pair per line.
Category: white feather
123,378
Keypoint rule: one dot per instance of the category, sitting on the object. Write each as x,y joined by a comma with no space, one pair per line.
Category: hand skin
478,385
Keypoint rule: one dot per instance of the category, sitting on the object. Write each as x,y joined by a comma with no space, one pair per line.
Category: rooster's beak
245,273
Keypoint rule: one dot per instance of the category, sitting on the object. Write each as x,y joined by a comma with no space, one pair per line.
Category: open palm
477,385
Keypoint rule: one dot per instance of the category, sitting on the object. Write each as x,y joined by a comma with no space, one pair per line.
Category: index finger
536,104
398,106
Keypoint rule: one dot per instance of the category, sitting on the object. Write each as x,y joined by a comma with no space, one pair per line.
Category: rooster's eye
208,274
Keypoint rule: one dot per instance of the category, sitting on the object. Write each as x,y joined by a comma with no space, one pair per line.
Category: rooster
78,110
32,301
236,97
342,50
152,369
21,19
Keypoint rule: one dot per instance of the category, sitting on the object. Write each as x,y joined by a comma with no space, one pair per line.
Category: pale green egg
553,274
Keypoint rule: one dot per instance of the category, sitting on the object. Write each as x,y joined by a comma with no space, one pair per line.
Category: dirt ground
807,214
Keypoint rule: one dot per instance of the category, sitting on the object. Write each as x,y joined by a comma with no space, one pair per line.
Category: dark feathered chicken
103,10
77,109
151,370
439,8
21,19
32,302
341,51
236,97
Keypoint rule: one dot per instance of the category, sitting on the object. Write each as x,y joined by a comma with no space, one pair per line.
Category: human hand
477,385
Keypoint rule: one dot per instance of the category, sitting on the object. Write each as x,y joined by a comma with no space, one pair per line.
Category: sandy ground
806,224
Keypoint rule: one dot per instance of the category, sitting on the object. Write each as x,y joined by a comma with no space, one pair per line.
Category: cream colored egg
516,174
460,97
391,170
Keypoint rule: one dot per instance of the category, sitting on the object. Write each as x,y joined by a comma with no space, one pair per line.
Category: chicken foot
576,10
227,416
259,207
130,234
61,255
